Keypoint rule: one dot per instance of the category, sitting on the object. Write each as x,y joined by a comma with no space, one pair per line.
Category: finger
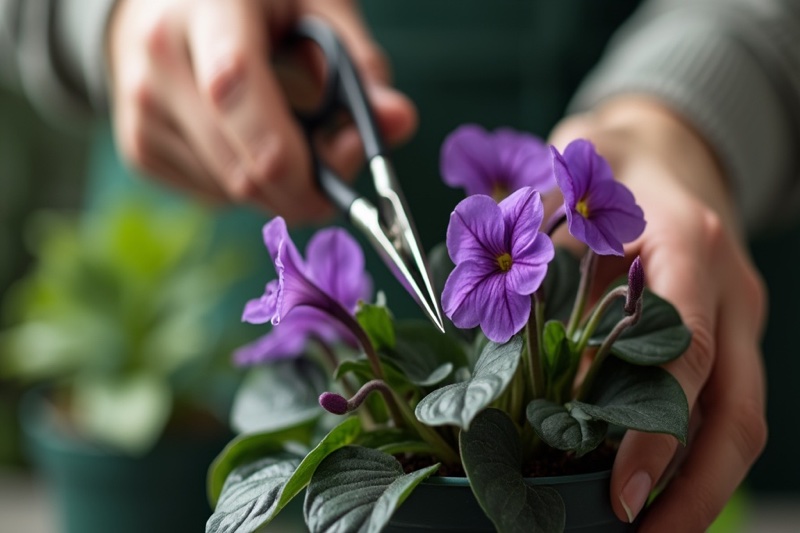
230,54
732,436
643,457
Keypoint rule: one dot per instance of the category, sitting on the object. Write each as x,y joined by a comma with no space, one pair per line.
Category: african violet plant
529,367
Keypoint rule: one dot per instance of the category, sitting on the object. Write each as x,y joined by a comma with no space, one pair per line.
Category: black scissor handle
342,90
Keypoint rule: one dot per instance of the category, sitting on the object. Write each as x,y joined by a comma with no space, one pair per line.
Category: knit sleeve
731,68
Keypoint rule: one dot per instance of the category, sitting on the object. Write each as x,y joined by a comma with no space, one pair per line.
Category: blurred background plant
117,316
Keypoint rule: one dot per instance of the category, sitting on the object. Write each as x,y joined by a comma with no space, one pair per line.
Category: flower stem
444,451
555,220
588,267
605,349
597,314
534,332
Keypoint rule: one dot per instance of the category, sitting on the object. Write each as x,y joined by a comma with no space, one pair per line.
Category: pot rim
448,481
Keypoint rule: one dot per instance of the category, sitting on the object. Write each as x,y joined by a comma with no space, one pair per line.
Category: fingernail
635,493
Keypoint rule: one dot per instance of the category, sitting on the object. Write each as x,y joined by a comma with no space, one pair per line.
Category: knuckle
156,37
749,430
227,75
241,189
272,161
712,229
699,359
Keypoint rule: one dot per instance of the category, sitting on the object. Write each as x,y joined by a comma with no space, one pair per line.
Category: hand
693,256
197,103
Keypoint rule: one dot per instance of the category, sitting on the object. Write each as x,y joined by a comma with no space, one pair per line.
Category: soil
550,463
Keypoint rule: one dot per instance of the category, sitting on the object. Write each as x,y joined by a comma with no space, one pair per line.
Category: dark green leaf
358,489
458,403
563,429
492,455
248,448
658,337
254,493
424,354
638,397
377,323
278,395
561,285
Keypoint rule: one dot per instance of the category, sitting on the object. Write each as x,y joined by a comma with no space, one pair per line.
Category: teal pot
447,504
99,491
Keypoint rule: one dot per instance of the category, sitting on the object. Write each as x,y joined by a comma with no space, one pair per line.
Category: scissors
388,226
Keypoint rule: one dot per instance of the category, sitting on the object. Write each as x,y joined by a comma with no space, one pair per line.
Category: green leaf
128,412
559,360
254,493
658,337
251,493
560,285
638,397
457,404
279,395
248,448
424,354
358,489
377,323
394,441
492,455
568,430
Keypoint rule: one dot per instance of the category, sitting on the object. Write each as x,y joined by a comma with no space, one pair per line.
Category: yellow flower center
504,262
582,207
499,192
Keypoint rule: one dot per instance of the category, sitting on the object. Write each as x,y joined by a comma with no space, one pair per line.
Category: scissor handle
342,89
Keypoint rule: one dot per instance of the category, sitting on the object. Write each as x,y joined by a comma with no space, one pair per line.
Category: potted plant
115,322
507,421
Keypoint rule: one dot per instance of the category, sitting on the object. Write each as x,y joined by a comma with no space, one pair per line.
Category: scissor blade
365,216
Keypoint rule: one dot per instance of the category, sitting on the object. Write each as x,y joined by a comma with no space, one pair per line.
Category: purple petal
280,343
564,179
529,268
613,206
461,300
522,214
586,166
261,310
525,160
476,230
593,235
335,262
469,160
503,312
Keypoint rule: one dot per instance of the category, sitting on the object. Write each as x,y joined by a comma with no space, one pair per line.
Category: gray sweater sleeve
53,50
732,69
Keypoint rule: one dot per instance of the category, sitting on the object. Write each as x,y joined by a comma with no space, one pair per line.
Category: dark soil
550,463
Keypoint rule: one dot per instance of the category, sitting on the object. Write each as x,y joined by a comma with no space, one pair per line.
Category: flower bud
334,403
635,286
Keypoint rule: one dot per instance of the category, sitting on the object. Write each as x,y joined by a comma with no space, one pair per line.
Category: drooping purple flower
299,304
501,259
495,164
601,211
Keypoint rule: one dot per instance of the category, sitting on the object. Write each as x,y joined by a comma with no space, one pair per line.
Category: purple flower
495,164
601,212
501,259
299,304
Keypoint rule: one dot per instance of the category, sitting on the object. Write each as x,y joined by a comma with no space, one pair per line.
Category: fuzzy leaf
254,493
492,455
658,337
358,489
281,394
564,429
638,397
457,404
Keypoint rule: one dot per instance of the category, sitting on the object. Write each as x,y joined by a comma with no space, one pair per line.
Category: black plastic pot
447,504
98,491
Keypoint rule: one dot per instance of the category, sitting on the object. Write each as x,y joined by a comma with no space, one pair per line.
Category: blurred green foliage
118,313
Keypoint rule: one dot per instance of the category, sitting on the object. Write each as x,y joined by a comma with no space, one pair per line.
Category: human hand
694,257
197,103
